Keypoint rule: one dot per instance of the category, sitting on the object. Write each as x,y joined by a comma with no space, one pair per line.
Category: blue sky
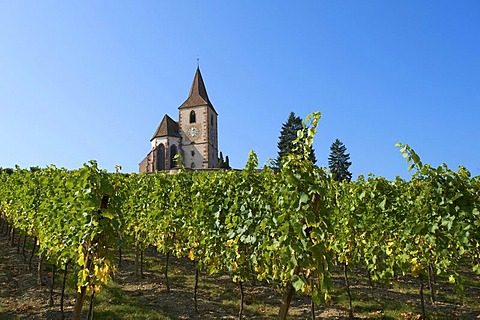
92,79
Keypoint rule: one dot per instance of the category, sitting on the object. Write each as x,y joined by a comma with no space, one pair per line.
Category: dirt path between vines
21,298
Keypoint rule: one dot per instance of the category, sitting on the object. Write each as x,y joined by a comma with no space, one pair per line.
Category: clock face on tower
193,132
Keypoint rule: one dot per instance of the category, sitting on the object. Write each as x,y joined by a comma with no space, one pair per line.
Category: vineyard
289,229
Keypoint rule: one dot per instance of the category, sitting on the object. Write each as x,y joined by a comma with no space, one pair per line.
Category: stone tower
197,120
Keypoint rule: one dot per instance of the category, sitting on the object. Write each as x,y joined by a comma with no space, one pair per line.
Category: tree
287,135
338,161
220,160
227,163
224,164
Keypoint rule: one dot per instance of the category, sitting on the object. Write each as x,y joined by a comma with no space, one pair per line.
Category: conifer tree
338,161
227,163
223,164
287,135
221,161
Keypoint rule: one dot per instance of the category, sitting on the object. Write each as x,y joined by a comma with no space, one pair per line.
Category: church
194,136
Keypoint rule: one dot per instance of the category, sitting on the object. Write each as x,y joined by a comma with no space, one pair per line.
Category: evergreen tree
220,161
287,135
223,164
227,163
338,161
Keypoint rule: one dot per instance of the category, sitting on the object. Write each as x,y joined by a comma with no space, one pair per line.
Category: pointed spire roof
168,127
198,93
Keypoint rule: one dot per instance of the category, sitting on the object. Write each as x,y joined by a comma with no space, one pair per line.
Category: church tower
197,120
194,136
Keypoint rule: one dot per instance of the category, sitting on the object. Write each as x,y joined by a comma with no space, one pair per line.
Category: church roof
168,127
198,93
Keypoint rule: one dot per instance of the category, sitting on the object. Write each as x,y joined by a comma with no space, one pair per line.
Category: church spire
198,93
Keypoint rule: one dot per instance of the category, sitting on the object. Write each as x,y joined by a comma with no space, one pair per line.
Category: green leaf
303,198
382,204
317,296
297,283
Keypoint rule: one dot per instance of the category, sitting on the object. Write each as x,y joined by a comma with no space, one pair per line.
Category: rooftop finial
198,62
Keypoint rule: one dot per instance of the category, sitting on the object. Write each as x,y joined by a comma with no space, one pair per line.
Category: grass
113,303
371,305
4,312
400,297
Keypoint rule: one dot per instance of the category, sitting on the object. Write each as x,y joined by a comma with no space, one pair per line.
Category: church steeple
198,93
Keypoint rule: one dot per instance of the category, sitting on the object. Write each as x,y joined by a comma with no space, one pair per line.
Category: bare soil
218,297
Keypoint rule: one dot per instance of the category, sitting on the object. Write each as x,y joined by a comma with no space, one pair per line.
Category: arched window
160,165
211,119
193,117
173,153
192,165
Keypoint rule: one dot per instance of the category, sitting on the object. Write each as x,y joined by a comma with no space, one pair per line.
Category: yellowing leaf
191,255
451,279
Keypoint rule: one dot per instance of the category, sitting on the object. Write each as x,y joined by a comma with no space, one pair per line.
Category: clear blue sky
83,80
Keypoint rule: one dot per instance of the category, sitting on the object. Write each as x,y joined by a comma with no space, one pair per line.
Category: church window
173,153
192,153
160,161
211,119
193,117
192,165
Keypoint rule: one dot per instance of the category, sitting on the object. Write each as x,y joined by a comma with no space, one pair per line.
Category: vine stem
286,300
287,297
31,255
63,289
347,284
90,310
141,263
312,304
12,236
77,312
422,301
40,270
195,290
52,283
370,282
166,272
18,243
242,298
137,259
24,243
431,283
119,257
